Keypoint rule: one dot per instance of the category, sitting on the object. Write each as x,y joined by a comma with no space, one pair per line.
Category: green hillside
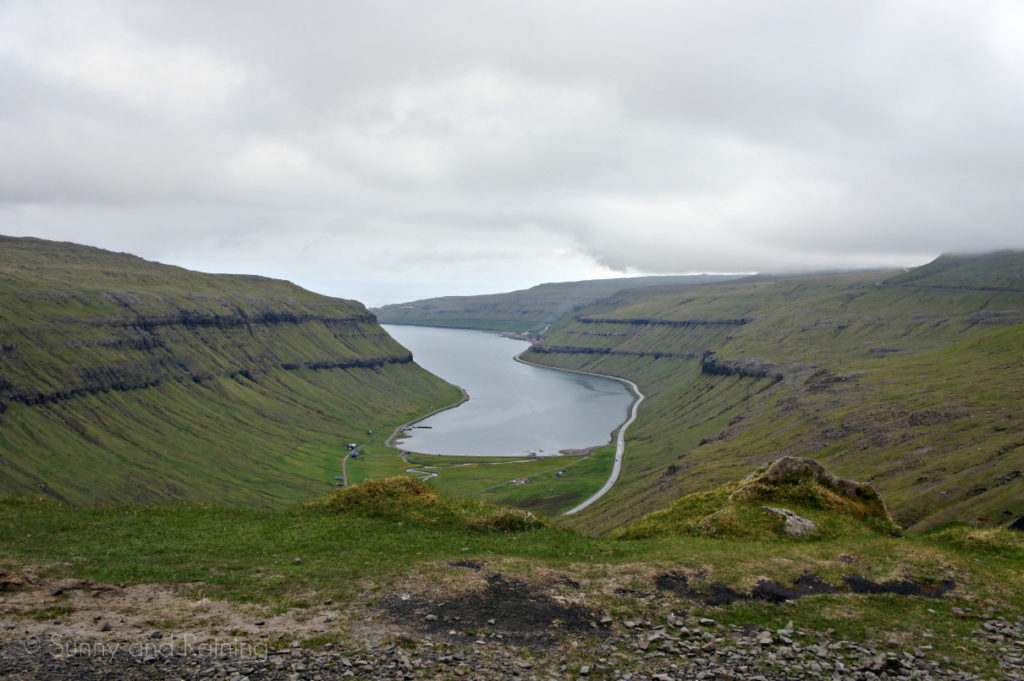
1000,271
527,311
131,381
908,381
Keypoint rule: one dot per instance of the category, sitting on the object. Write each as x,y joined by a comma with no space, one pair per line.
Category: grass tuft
405,499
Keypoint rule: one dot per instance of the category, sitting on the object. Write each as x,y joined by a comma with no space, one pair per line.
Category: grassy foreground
363,542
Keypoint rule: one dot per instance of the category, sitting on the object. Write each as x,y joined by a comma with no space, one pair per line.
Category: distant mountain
1000,271
528,310
127,380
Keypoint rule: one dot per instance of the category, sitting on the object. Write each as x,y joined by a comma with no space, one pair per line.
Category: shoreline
390,441
620,430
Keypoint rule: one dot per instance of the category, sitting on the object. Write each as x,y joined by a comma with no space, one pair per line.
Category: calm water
513,408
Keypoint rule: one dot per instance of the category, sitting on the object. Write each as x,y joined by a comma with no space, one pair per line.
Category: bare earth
460,620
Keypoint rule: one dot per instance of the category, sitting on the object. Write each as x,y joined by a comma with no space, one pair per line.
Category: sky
400,149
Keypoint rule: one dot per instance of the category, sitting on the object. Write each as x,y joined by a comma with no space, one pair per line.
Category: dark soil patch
631,593
900,587
571,583
471,564
718,593
506,609
807,585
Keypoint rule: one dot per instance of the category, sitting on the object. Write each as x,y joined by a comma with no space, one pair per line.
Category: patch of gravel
681,648
489,626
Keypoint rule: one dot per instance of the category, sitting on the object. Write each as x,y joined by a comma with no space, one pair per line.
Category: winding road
620,440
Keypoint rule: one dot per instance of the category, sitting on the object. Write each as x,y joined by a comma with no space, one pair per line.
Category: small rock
431,618
584,670
106,626
57,591
705,622
298,561
157,634
796,526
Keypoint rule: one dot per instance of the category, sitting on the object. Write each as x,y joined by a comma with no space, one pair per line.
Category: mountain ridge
526,310
164,372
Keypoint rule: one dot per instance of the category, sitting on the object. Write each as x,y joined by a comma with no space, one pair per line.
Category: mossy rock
750,509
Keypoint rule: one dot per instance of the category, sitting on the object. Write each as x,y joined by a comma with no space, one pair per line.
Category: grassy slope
529,310
496,479
370,542
926,416
125,380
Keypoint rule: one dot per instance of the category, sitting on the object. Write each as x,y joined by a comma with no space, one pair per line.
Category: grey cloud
485,144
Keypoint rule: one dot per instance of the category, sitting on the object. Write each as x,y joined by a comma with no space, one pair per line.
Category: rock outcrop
789,498
749,368
796,525
793,469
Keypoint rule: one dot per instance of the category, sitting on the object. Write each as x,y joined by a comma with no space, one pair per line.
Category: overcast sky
393,150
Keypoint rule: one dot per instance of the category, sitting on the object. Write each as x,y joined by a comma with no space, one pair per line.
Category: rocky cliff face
77,321
70,357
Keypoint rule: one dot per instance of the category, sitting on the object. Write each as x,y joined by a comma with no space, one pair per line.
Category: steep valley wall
123,380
